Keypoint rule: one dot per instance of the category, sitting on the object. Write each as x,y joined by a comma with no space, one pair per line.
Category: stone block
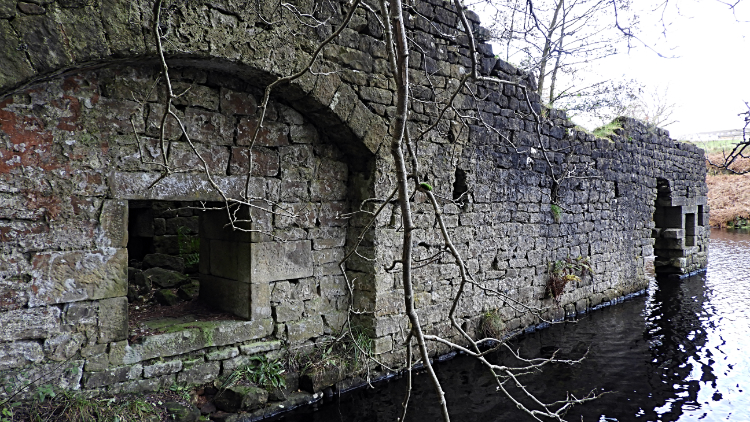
327,237
34,323
260,347
20,353
328,190
143,386
113,319
303,134
223,258
114,222
162,368
63,346
196,95
265,161
231,332
166,345
382,345
112,376
178,187
229,365
164,278
200,373
320,378
288,311
182,157
62,375
271,261
80,313
673,233
271,134
209,127
223,354
168,262
305,329
83,275
96,363
43,39
233,102
238,398
229,295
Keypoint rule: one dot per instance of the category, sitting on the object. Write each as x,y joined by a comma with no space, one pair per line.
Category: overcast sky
707,69
708,73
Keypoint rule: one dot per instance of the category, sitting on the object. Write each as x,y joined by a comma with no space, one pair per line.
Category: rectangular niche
236,267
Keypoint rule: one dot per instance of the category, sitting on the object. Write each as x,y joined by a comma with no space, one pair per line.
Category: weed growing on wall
64,405
189,246
564,271
556,210
492,324
261,371
608,130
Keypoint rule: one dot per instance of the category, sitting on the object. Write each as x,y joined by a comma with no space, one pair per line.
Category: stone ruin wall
70,171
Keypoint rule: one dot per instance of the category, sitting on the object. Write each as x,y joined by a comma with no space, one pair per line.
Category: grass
608,130
728,199
351,353
71,406
492,324
713,147
264,373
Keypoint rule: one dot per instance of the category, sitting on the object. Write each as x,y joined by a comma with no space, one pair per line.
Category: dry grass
740,165
728,198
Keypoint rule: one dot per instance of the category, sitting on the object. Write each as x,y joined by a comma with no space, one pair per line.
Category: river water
677,353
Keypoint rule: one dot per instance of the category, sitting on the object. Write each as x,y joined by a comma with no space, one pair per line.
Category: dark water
678,353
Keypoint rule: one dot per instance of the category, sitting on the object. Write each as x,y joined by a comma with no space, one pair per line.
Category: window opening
164,286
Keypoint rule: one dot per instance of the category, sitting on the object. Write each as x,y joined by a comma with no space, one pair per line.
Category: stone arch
80,104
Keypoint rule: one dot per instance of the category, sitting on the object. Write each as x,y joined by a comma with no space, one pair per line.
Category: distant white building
718,135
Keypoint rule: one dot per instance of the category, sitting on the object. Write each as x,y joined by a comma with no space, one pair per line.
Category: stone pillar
237,266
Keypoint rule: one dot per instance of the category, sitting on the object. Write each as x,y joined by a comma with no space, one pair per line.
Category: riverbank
728,193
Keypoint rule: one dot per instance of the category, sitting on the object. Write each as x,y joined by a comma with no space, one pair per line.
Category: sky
705,67
707,64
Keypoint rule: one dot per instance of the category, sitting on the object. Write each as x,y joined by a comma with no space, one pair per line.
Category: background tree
559,41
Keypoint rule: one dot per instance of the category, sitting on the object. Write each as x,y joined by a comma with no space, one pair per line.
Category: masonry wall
70,164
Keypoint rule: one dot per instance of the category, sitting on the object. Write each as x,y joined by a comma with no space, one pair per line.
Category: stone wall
71,166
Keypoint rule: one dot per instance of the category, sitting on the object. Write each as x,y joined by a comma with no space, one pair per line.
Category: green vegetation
425,186
492,324
739,223
189,246
608,130
351,352
564,271
556,210
71,406
261,371
712,147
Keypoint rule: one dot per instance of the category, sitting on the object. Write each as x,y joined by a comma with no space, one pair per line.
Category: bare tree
653,107
408,182
740,151
558,40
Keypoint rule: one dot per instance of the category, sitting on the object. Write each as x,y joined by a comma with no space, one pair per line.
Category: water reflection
675,354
